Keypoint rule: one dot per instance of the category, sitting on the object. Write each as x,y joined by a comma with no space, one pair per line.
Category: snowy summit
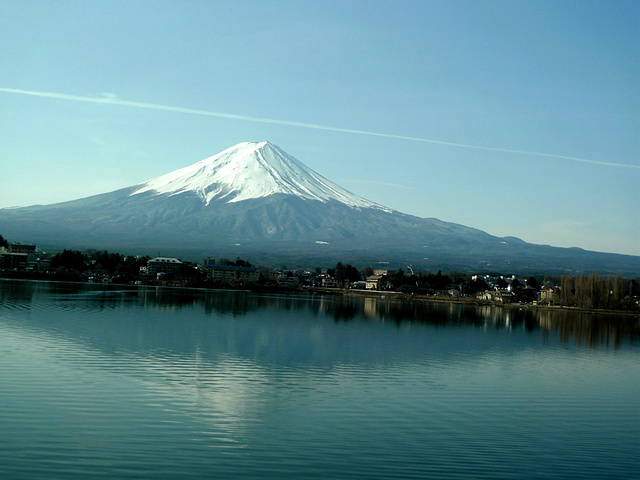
252,170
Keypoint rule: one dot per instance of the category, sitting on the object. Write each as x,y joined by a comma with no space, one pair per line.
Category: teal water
116,382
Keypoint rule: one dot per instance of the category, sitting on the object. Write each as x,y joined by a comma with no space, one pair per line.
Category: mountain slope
255,200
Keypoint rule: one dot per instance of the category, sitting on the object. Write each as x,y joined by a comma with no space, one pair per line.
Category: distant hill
254,200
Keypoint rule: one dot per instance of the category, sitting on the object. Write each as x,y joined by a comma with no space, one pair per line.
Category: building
13,261
18,256
290,280
327,281
488,279
374,282
548,295
166,265
495,296
231,273
29,249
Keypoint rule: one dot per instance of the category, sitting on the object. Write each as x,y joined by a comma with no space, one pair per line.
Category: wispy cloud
112,99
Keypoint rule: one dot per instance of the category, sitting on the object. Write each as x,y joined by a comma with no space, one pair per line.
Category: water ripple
106,385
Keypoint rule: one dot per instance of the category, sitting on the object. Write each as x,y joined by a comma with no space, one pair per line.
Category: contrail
110,99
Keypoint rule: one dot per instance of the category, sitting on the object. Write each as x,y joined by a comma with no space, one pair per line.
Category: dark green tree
475,286
340,273
242,263
69,260
441,281
397,279
366,272
352,274
533,283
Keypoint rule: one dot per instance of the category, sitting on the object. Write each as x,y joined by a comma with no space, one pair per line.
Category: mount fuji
254,200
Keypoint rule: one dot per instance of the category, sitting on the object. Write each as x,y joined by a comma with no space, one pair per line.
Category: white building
163,265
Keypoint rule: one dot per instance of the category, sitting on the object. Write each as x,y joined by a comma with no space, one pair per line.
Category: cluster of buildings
502,289
160,267
18,256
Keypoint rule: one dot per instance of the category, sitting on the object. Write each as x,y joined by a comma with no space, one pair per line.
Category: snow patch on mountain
252,170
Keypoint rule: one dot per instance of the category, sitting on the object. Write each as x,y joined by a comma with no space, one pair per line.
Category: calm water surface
116,382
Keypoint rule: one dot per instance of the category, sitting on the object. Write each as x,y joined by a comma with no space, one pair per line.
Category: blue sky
559,78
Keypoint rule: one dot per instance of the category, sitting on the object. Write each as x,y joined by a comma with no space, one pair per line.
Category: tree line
583,291
596,292
74,262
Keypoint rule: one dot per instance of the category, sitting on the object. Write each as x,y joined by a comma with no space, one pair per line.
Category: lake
100,381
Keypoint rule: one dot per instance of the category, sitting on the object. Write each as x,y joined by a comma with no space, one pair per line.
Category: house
486,296
166,265
488,279
507,297
548,295
495,296
327,281
288,279
374,282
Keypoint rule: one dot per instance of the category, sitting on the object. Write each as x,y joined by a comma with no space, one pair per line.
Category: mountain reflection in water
126,382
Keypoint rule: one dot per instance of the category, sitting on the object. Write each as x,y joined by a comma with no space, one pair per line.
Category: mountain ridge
253,199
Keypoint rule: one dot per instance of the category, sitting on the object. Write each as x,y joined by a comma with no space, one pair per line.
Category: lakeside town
593,292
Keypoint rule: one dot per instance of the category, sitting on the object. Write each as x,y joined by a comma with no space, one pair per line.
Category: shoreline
386,294
471,301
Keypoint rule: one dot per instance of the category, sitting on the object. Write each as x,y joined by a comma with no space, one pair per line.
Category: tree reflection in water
593,329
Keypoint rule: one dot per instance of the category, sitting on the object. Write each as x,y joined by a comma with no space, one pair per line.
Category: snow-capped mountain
252,170
254,200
